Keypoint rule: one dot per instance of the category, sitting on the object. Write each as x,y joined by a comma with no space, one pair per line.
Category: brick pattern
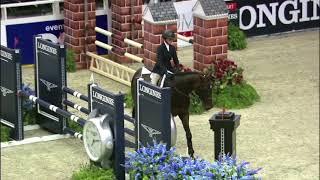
210,41
122,22
74,28
152,40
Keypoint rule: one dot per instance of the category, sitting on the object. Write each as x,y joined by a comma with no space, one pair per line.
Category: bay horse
182,85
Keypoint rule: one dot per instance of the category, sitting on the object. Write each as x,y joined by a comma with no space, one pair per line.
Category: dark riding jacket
163,59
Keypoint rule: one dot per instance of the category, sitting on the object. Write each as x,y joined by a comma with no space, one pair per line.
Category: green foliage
75,126
235,96
236,38
128,100
71,64
30,116
5,133
91,172
196,105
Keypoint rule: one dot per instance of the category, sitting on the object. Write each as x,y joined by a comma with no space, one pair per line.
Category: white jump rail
112,69
126,54
186,39
126,40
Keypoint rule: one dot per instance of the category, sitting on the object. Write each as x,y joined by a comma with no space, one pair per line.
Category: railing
110,69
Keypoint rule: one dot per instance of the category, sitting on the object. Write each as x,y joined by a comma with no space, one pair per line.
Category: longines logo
150,131
48,84
150,91
276,11
103,98
5,91
47,48
6,55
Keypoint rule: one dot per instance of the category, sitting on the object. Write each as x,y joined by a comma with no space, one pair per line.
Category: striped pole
73,133
130,119
75,94
76,106
53,108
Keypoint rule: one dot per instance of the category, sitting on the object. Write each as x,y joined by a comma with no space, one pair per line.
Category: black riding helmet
168,34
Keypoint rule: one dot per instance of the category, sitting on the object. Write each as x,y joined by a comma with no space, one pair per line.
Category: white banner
185,16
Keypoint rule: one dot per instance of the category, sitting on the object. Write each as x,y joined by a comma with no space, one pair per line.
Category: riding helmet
168,34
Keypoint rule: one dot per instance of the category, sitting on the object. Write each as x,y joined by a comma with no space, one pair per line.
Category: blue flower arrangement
156,162
27,104
29,110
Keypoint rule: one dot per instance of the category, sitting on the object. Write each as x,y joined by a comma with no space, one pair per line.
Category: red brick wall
122,22
74,28
152,40
210,41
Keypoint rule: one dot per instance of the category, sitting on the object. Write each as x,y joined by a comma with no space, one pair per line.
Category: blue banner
20,36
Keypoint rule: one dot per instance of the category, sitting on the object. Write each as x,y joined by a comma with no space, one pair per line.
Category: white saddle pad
145,71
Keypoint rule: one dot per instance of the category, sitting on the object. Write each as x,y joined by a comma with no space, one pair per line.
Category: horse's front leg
185,122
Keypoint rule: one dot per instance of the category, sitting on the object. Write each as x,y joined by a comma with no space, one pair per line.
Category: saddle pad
145,71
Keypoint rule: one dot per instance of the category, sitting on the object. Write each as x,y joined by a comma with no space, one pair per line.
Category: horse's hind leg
185,122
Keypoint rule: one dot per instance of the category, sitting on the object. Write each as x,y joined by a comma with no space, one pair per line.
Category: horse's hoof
191,154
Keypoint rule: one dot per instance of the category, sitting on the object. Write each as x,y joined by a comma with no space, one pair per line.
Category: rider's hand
172,63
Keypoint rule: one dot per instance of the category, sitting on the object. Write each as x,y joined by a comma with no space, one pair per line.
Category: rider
167,59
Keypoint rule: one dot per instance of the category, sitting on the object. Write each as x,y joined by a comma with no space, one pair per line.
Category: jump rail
111,69
123,52
186,39
126,40
53,108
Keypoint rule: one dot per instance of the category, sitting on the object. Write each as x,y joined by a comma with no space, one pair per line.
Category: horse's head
204,91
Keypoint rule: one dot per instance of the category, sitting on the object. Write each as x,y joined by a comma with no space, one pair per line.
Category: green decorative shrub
91,172
71,64
128,100
230,89
5,133
236,38
30,116
236,96
75,126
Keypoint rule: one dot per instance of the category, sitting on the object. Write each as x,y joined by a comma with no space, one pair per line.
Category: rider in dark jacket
167,59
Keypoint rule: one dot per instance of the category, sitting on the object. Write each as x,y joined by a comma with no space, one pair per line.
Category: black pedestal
224,126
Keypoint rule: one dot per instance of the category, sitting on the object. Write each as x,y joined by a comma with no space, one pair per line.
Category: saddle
145,74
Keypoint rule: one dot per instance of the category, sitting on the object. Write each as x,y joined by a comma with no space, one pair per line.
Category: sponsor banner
259,17
185,17
20,36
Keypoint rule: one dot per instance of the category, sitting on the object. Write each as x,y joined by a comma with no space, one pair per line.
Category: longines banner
258,17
